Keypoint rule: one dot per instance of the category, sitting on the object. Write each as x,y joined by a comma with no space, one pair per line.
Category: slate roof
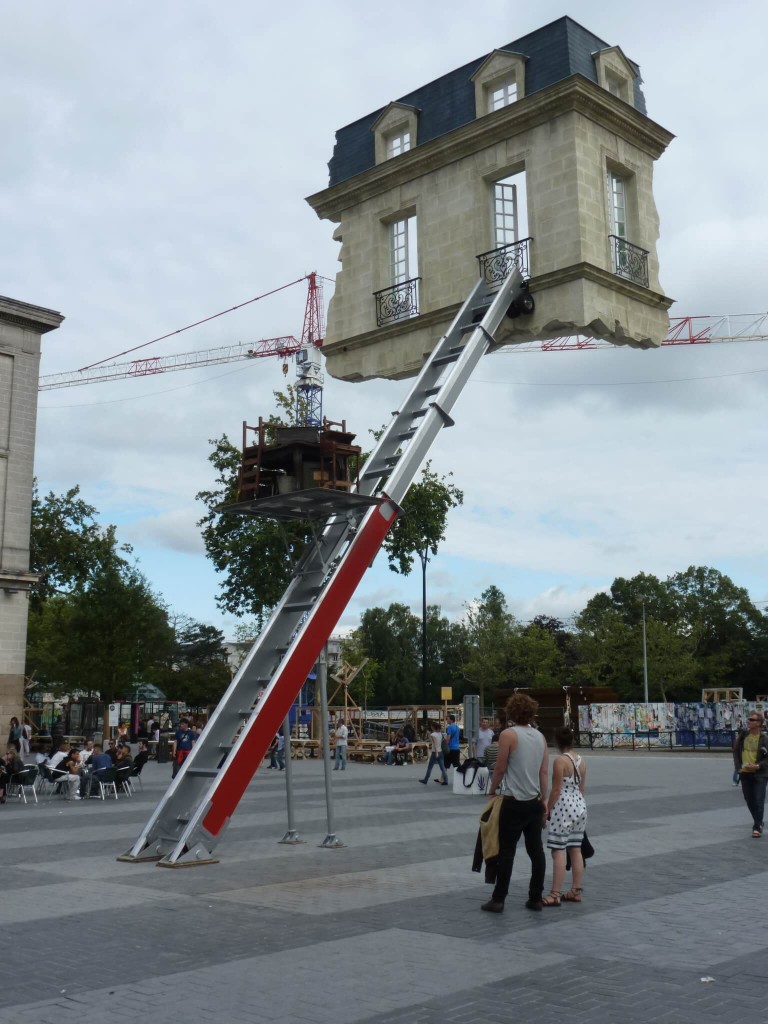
556,51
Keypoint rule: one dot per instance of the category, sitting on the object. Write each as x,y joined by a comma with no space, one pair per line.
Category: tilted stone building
21,328
538,155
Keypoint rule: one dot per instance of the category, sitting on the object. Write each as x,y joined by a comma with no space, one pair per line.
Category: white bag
472,783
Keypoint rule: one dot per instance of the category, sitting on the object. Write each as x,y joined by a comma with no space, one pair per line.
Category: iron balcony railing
399,302
497,264
630,260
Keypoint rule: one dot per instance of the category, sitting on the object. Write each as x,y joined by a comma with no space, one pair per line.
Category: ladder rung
207,773
406,435
298,606
450,358
226,747
433,391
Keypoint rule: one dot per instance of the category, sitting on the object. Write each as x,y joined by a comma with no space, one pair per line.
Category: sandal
553,900
572,896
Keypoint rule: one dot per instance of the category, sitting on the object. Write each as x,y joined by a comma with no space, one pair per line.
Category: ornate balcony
400,302
497,264
629,260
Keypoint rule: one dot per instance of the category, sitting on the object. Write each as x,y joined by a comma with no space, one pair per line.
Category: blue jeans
433,760
753,791
341,756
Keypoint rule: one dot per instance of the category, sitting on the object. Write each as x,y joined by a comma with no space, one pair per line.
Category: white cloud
157,177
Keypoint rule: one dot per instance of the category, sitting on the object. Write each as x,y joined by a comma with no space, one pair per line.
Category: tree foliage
200,672
420,529
66,543
104,637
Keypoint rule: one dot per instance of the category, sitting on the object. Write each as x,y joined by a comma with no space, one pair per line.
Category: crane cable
197,323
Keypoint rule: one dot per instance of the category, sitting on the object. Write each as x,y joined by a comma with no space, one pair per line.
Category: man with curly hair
521,771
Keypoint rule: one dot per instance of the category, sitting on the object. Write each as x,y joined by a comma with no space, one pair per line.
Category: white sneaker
78,797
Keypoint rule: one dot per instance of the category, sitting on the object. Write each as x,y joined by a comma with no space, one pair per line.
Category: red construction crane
686,330
283,348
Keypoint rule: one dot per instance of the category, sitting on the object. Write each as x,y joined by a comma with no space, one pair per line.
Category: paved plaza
389,928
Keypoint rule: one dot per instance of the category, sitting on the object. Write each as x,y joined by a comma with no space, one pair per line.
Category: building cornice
573,94
589,272
23,314
438,317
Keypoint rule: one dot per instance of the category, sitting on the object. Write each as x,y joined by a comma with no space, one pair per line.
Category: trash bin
163,749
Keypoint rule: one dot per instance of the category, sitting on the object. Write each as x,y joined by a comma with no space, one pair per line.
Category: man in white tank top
521,771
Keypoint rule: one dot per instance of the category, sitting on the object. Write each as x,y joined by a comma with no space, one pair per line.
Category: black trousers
520,818
753,791
453,759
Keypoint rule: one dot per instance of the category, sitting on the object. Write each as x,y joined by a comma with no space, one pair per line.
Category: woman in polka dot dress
567,820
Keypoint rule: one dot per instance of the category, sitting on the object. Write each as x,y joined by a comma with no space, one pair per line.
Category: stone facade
568,138
21,327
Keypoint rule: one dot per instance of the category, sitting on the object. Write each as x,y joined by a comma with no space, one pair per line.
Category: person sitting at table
111,751
94,772
10,766
86,753
398,754
61,764
142,756
124,759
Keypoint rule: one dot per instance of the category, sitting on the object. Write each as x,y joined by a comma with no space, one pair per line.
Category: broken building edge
538,156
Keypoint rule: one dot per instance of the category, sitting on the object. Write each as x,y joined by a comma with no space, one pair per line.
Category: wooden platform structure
290,458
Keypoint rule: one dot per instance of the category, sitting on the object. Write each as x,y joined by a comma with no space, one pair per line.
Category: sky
155,162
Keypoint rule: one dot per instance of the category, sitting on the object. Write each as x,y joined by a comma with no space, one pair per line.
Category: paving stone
389,928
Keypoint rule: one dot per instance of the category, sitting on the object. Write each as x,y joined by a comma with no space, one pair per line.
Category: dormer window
394,131
398,142
502,95
499,81
616,74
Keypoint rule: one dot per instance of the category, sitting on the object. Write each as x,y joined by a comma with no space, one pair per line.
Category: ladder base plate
186,863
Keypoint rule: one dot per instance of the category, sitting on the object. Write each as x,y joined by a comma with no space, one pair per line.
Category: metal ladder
195,810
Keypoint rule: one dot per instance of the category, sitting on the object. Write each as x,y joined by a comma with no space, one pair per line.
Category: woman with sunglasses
750,758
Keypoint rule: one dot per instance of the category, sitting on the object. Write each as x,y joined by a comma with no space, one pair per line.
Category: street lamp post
645,660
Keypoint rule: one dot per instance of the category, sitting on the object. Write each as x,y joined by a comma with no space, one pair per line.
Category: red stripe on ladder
295,668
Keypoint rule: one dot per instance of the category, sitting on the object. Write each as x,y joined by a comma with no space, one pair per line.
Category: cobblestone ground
389,928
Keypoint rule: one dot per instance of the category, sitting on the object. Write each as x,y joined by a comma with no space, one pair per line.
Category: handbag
471,783
587,851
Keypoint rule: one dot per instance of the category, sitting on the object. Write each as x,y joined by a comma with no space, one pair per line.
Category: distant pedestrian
566,820
522,768
281,752
436,756
185,740
341,733
453,760
26,736
484,738
750,758
14,734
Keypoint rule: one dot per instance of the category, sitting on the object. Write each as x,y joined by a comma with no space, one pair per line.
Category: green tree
104,637
727,632
535,659
418,533
391,637
489,632
66,543
199,673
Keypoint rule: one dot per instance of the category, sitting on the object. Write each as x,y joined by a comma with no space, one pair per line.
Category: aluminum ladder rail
199,803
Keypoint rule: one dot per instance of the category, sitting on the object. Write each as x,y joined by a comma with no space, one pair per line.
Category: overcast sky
155,162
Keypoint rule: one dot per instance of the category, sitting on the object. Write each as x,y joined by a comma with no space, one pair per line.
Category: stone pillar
21,328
